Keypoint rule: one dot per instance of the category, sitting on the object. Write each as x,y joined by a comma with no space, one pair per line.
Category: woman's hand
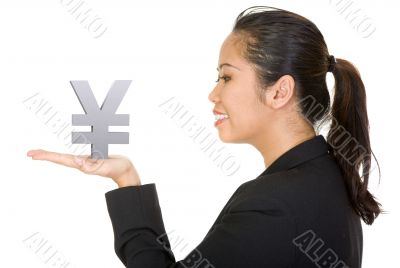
116,167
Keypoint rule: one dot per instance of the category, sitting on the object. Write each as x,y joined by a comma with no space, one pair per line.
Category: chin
224,137
230,138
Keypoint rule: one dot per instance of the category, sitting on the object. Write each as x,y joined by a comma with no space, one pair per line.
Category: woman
305,209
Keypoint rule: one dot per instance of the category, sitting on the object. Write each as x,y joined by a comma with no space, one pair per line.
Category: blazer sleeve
255,231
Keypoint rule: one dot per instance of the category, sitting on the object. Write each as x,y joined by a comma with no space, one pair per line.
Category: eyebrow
227,64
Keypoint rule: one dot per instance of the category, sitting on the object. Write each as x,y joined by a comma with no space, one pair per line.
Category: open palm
117,167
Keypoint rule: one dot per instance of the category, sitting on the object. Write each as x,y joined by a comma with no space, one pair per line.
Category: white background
168,49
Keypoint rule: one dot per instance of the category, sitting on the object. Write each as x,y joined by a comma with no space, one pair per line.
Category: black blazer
294,214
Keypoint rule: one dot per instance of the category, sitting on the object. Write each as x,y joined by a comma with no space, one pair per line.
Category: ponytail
348,138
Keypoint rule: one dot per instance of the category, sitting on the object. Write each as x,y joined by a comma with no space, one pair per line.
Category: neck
273,148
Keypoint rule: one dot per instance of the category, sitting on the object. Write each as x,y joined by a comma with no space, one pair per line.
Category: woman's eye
225,78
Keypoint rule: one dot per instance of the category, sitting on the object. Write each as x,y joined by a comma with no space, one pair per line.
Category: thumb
79,161
87,165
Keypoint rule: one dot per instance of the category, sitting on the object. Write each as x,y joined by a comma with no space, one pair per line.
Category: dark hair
278,42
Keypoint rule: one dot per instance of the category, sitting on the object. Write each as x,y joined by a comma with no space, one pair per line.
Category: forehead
231,52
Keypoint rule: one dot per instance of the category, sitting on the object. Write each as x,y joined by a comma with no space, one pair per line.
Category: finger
83,162
58,158
33,152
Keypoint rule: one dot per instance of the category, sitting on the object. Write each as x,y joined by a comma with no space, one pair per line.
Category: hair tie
332,62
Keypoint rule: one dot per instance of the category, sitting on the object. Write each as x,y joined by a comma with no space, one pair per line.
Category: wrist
129,178
127,183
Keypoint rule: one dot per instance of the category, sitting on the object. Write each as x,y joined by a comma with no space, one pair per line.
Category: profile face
235,95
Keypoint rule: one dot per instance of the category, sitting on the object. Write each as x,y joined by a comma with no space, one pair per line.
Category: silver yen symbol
100,118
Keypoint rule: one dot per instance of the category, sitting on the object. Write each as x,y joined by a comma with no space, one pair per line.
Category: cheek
240,103
246,118
251,123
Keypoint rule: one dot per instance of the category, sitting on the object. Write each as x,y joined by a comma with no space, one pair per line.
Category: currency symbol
100,118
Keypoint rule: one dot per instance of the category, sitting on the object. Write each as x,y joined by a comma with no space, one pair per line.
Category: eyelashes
225,78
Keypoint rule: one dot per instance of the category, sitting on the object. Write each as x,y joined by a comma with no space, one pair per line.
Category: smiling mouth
220,118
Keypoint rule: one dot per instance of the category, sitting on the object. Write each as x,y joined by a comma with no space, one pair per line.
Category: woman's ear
279,94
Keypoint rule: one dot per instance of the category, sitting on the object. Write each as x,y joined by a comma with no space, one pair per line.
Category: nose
213,96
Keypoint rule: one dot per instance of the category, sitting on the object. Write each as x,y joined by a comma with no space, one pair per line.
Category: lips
218,112
220,115
219,121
